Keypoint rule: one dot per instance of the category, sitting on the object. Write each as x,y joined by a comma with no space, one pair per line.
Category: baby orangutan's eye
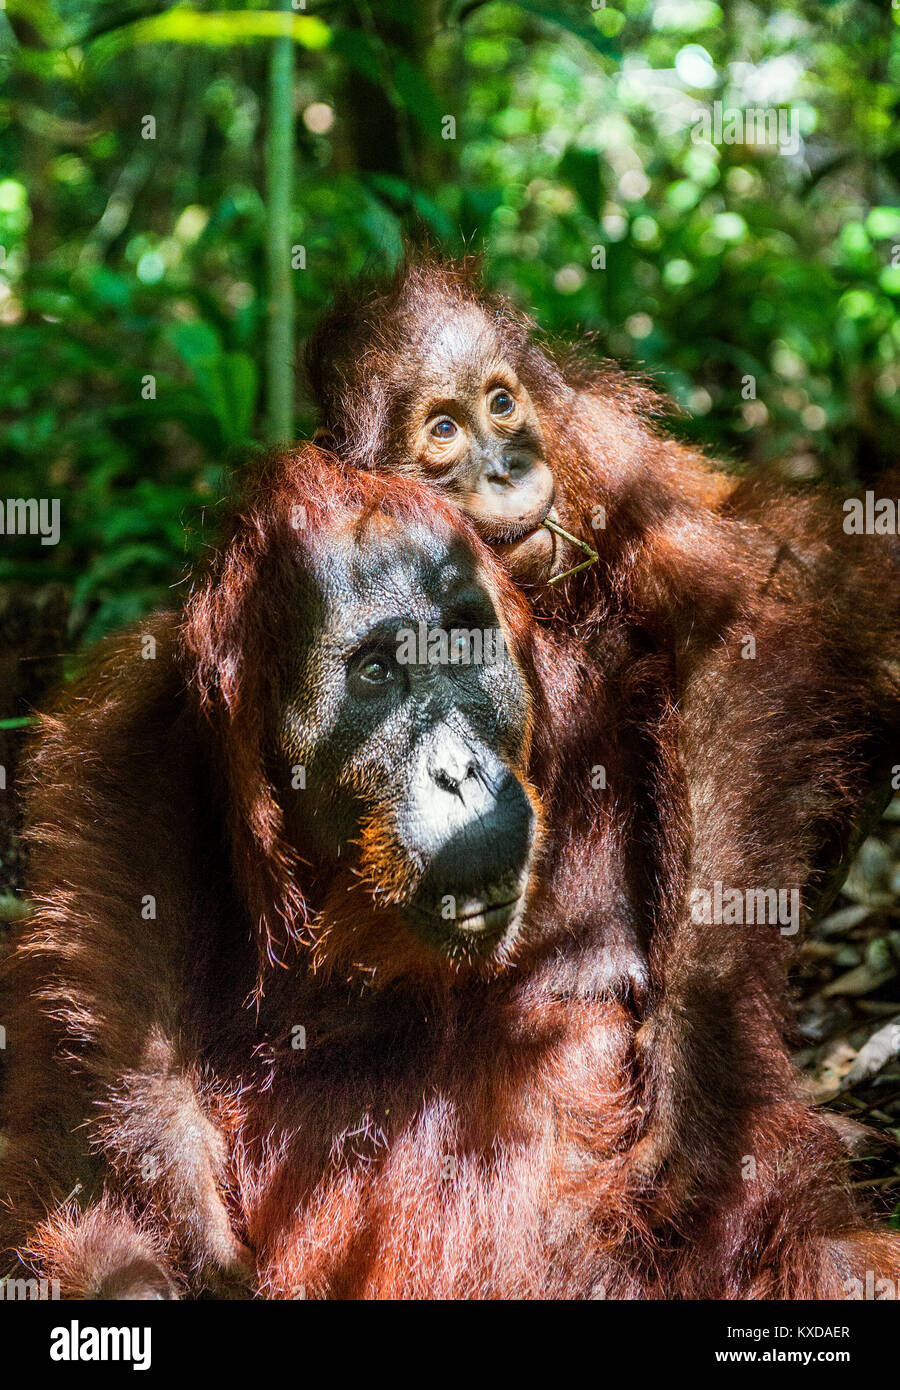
443,428
501,403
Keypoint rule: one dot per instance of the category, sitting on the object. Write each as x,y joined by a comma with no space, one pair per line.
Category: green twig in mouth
592,556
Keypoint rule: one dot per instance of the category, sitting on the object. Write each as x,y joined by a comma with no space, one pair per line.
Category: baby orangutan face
472,431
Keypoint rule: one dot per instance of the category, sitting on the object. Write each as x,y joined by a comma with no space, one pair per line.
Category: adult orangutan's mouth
477,929
488,918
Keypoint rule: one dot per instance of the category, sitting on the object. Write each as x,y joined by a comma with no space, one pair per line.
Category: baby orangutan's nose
514,495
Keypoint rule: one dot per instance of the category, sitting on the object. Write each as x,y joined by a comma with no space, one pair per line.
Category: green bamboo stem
279,189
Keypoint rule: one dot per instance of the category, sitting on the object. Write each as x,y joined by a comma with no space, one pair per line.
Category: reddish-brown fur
458,1132
763,767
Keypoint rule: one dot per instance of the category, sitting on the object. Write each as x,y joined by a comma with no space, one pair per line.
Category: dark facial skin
473,432
410,774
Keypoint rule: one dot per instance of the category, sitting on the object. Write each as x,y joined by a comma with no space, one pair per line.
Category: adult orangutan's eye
443,428
459,646
373,674
374,670
501,403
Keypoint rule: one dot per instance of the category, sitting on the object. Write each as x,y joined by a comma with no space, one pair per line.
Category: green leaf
477,207
229,387
184,25
581,169
416,94
357,49
241,382
196,342
574,25
109,288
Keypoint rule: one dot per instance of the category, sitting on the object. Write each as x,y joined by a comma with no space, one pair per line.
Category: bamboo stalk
279,188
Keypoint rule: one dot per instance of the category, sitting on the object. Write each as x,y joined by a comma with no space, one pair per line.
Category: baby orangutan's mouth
512,530
540,556
531,555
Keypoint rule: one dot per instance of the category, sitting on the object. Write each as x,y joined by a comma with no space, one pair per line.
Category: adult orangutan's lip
479,913
488,917
480,928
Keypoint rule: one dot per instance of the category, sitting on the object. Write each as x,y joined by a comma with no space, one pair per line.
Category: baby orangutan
763,636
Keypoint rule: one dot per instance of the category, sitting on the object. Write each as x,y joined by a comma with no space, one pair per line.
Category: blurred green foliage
575,165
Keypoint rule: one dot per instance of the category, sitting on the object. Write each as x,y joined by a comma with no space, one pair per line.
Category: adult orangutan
304,997
762,627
